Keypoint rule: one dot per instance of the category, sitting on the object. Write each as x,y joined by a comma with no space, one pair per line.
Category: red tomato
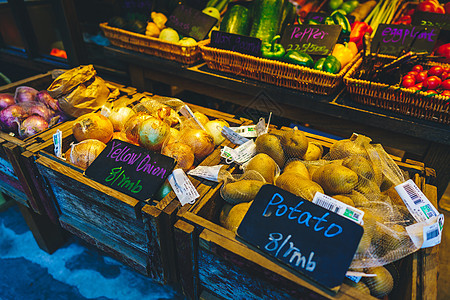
440,9
419,85
432,82
417,68
446,85
421,76
436,71
445,93
413,73
414,88
447,8
444,75
408,81
427,6
444,50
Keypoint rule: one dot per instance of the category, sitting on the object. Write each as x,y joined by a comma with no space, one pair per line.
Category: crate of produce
20,179
152,46
132,231
407,101
274,72
214,261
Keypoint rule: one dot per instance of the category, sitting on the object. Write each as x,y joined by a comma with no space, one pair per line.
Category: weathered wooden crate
213,261
131,231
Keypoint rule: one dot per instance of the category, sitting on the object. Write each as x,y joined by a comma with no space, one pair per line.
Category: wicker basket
274,72
400,100
152,46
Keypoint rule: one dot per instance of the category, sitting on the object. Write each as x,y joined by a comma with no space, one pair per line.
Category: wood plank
187,250
40,81
48,235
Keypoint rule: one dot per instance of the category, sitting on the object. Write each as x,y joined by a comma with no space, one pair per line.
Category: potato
241,191
298,167
314,151
264,165
335,179
270,145
298,185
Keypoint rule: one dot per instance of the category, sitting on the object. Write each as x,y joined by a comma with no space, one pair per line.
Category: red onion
41,110
10,116
25,94
6,100
44,97
32,125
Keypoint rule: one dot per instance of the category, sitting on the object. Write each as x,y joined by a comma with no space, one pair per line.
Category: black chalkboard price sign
394,39
191,22
423,18
303,236
312,39
235,42
131,169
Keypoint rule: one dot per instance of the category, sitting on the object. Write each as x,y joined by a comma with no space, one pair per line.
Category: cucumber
266,19
212,3
221,5
236,20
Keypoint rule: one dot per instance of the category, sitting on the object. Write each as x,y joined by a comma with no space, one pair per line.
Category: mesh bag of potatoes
354,171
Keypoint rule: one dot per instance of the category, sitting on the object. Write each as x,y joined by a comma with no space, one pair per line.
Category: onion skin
84,153
201,142
120,135
43,111
32,125
25,94
132,125
93,126
119,116
11,116
6,100
44,97
152,133
182,153
214,129
168,115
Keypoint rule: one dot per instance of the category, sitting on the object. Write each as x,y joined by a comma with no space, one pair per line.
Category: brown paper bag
69,80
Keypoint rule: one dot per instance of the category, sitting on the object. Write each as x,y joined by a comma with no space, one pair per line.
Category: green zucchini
266,20
236,20
212,3
221,5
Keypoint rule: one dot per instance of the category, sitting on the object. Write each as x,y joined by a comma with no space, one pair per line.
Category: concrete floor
444,250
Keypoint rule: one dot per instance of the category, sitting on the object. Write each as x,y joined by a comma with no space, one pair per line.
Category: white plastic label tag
427,233
187,112
183,187
233,137
357,276
416,202
240,154
206,172
339,207
105,111
261,127
57,141
247,131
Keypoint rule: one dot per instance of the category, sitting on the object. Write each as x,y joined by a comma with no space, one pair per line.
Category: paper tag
339,207
416,202
240,154
105,111
261,127
247,131
357,276
187,112
427,233
233,137
57,141
183,187
206,172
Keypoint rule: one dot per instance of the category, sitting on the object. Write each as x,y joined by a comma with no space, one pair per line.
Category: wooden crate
131,231
212,259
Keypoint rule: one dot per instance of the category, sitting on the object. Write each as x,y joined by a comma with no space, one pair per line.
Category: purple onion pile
28,111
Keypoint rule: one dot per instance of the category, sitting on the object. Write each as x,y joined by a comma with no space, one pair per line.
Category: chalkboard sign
191,22
394,39
312,39
131,169
423,18
305,237
235,42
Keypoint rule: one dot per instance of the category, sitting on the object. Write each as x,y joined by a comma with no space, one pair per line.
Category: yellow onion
214,128
182,153
119,116
168,115
92,126
120,135
202,118
131,127
152,133
201,142
85,152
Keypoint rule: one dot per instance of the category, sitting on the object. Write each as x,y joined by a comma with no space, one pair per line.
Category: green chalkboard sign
191,22
301,235
131,169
